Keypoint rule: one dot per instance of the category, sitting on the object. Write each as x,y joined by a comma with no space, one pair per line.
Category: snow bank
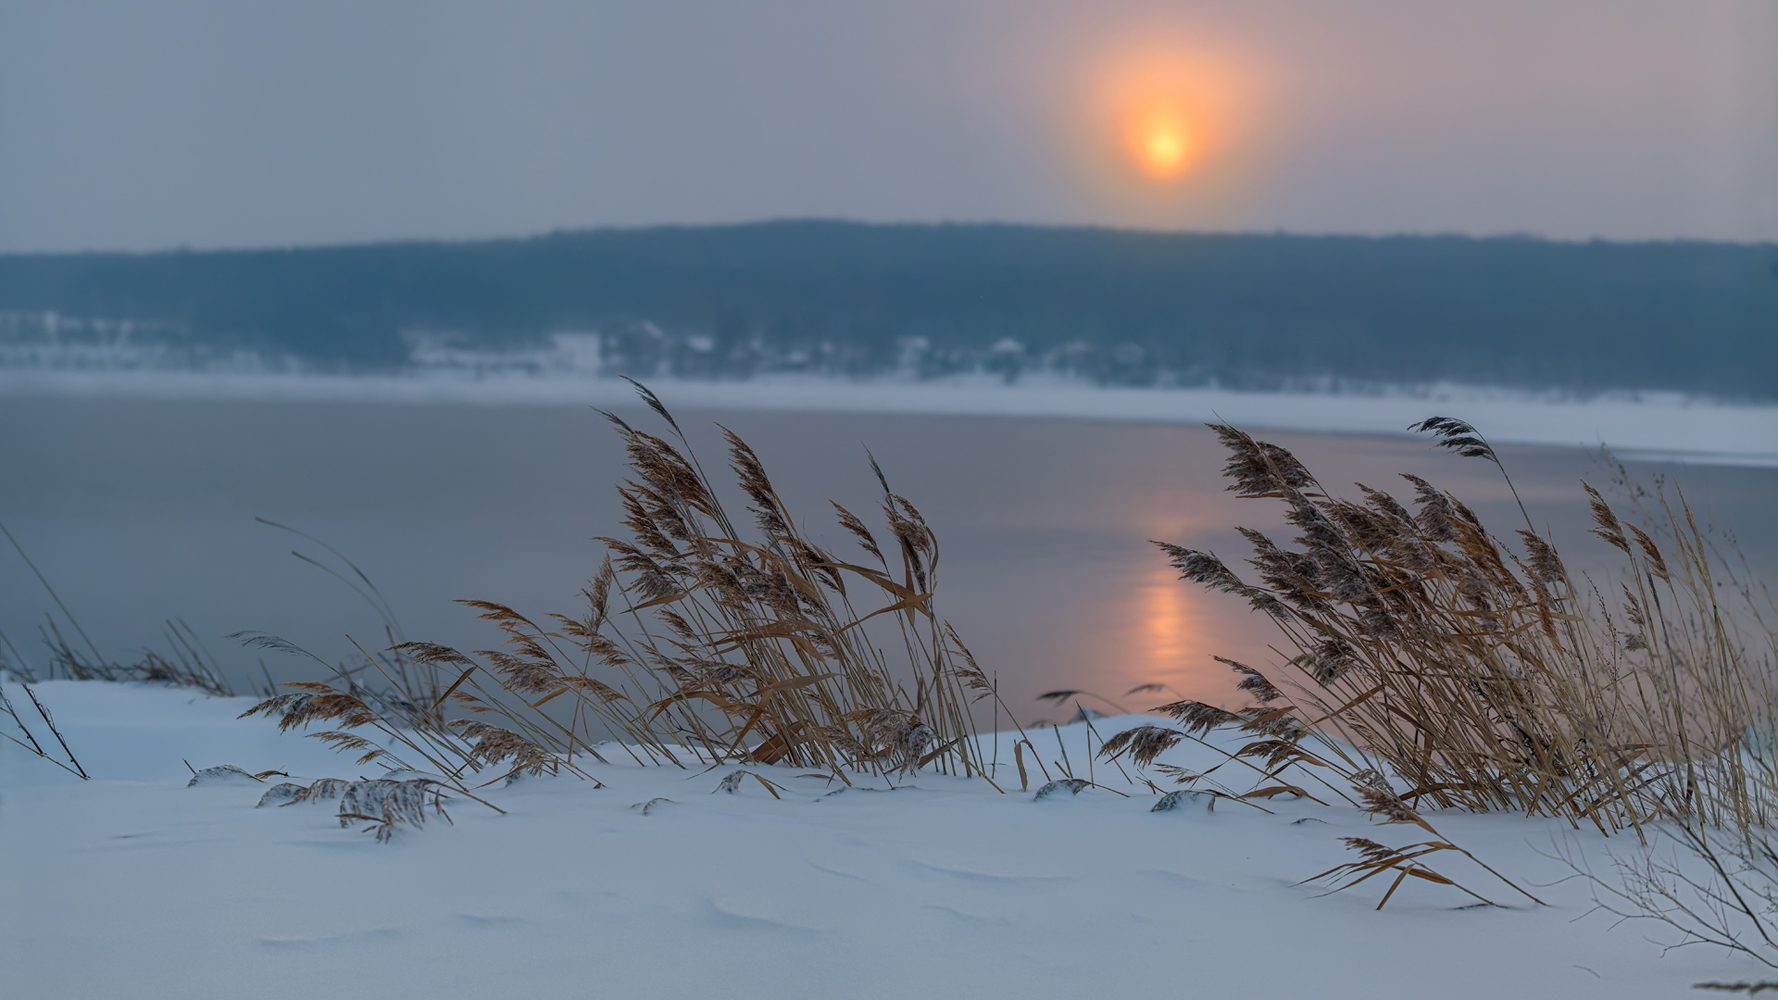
135,885
1653,426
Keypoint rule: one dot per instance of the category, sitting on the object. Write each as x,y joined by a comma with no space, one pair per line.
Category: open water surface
140,510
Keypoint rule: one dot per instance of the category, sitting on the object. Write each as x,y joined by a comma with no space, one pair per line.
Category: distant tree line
1116,307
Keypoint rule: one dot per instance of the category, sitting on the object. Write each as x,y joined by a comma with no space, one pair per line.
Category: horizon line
881,224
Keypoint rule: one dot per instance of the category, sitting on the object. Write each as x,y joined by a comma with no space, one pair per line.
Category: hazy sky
176,122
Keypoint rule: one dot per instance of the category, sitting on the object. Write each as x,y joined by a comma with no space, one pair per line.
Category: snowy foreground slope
134,885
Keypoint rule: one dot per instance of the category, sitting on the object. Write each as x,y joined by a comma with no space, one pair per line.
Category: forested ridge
1123,307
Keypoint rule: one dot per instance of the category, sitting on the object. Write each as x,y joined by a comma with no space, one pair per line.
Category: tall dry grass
697,642
189,665
1429,659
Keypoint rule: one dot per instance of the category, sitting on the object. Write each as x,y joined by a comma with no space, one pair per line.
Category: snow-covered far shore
1653,426
134,884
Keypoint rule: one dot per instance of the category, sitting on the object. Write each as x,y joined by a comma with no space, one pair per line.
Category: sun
1167,118
1165,127
1163,145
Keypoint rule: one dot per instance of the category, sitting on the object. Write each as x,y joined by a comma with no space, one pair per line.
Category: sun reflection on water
1178,628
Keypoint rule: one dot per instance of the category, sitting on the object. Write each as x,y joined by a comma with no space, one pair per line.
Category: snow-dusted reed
1655,426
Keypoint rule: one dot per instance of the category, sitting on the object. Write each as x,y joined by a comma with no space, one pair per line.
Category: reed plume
698,641
1485,679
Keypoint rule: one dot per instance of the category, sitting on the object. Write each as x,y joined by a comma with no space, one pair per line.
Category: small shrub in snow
1173,800
222,774
1070,785
385,804
731,782
286,793
280,794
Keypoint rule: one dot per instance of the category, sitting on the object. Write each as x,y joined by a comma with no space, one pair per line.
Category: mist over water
141,510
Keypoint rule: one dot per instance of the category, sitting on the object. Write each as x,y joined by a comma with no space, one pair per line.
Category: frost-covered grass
136,885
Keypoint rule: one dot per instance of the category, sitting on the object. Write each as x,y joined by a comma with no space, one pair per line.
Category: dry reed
190,665
30,741
1427,652
694,645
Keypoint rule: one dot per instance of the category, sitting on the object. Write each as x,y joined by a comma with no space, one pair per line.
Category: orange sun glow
1170,125
1163,145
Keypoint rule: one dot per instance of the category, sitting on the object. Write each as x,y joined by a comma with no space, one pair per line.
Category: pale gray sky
219,123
